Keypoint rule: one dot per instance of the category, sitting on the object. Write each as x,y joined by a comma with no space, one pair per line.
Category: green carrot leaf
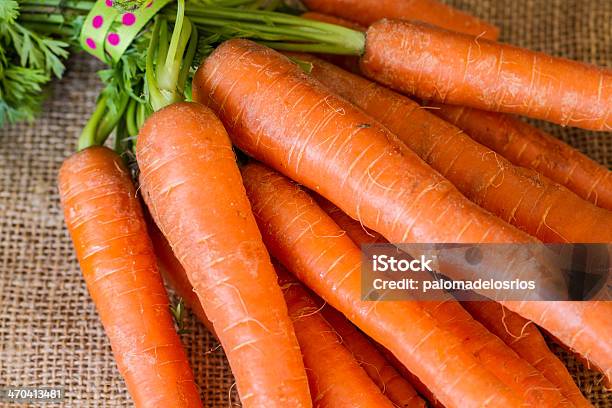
28,61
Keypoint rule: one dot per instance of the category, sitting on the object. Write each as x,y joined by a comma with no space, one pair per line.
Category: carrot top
155,70
166,59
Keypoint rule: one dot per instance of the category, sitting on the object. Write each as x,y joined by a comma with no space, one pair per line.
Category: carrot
108,230
527,341
336,378
392,384
519,196
192,186
176,276
443,66
299,233
527,146
285,118
455,319
435,12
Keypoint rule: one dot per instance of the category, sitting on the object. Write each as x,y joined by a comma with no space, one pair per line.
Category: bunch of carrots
414,141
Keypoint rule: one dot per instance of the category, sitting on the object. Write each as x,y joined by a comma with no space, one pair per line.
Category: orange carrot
527,146
299,233
519,196
176,276
335,377
443,66
435,12
285,118
192,186
392,384
527,341
109,233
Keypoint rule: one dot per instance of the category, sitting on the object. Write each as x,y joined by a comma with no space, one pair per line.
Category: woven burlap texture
50,334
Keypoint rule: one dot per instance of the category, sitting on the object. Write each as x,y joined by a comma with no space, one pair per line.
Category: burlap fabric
50,334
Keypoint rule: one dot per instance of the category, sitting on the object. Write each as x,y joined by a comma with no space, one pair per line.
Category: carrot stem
168,63
284,31
121,135
55,19
152,88
40,5
110,120
88,135
141,116
47,29
132,127
168,77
